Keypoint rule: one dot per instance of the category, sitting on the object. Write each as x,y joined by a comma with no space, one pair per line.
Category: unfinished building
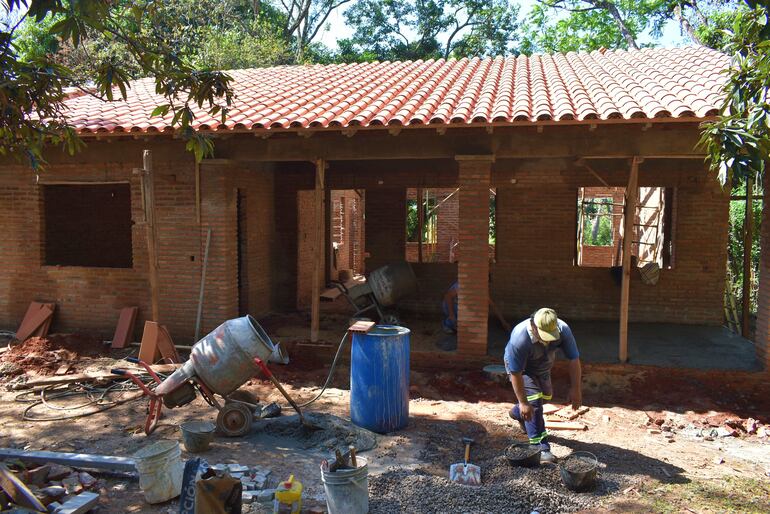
524,176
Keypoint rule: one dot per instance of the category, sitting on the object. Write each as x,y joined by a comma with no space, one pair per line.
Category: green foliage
738,143
416,29
33,81
572,25
735,243
597,222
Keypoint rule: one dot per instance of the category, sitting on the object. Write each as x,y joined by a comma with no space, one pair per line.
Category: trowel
464,472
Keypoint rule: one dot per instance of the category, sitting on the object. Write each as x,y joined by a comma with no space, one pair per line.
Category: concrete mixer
221,362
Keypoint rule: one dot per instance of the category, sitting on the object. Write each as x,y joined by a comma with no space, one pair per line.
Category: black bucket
523,455
578,471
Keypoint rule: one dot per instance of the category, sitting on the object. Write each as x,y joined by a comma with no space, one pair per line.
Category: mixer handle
133,360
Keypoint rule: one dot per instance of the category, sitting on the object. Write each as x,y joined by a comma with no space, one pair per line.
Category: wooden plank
75,460
166,345
318,254
148,188
148,351
748,244
199,313
35,320
632,193
43,329
125,329
17,491
621,141
551,424
92,377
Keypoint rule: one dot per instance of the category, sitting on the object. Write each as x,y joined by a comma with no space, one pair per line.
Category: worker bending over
529,357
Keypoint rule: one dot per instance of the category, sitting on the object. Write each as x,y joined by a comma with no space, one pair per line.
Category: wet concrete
660,344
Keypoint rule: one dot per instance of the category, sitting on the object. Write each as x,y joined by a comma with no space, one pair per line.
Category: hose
97,396
328,377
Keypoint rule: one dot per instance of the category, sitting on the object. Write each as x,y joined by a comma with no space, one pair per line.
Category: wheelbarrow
383,288
219,364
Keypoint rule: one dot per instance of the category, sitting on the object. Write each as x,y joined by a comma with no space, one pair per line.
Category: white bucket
347,490
160,469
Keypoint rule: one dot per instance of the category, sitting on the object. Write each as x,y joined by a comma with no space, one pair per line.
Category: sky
338,30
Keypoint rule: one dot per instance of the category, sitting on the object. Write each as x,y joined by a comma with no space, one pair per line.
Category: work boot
546,457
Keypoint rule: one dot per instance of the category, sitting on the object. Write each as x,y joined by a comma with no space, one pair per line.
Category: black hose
328,377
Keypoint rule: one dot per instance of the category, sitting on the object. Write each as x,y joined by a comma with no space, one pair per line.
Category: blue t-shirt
523,355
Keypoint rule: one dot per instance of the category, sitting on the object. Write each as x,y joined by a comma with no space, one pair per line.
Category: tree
738,143
419,29
571,25
33,85
304,19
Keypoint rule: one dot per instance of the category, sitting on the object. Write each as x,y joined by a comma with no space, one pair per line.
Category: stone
266,495
237,468
248,496
751,426
53,506
57,472
86,479
718,460
248,485
72,484
260,481
653,431
79,504
50,493
37,476
726,431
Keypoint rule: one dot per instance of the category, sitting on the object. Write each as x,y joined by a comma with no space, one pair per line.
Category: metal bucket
393,282
347,490
197,435
224,359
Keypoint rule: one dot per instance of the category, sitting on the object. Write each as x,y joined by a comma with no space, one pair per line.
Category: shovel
463,472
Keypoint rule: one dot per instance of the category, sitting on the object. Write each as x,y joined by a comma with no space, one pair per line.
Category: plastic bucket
579,480
197,435
160,471
347,490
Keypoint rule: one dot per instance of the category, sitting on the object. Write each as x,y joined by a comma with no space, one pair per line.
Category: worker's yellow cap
547,325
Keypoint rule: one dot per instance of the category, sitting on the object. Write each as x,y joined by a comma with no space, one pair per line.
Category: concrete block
79,504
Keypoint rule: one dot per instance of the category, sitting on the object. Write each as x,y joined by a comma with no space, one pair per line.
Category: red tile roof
653,83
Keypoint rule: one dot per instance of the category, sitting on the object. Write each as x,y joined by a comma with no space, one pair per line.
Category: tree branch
685,24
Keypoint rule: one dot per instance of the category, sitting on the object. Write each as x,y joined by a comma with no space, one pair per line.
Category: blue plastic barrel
379,379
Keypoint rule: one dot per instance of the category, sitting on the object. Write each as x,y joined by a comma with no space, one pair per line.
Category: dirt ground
654,432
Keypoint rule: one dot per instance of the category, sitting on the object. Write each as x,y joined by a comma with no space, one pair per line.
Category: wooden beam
583,163
148,188
318,254
621,142
748,243
198,192
77,460
632,194
420,221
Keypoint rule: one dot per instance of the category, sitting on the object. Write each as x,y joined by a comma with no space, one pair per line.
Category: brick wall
89,299
536,245
447,217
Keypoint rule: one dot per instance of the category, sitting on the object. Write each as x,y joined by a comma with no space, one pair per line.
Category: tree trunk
685,24
615,13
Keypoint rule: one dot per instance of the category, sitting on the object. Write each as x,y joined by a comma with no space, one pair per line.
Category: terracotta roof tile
650,83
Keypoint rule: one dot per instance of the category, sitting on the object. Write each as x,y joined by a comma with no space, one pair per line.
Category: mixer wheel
234,420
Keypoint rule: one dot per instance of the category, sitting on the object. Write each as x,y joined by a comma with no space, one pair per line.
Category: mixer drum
224,359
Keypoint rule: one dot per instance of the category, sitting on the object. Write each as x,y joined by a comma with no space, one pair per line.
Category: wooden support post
318,253
148,190
420,220
632,197
748,244
198,192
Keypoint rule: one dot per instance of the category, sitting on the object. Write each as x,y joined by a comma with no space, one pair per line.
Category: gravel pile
329,432
504,489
